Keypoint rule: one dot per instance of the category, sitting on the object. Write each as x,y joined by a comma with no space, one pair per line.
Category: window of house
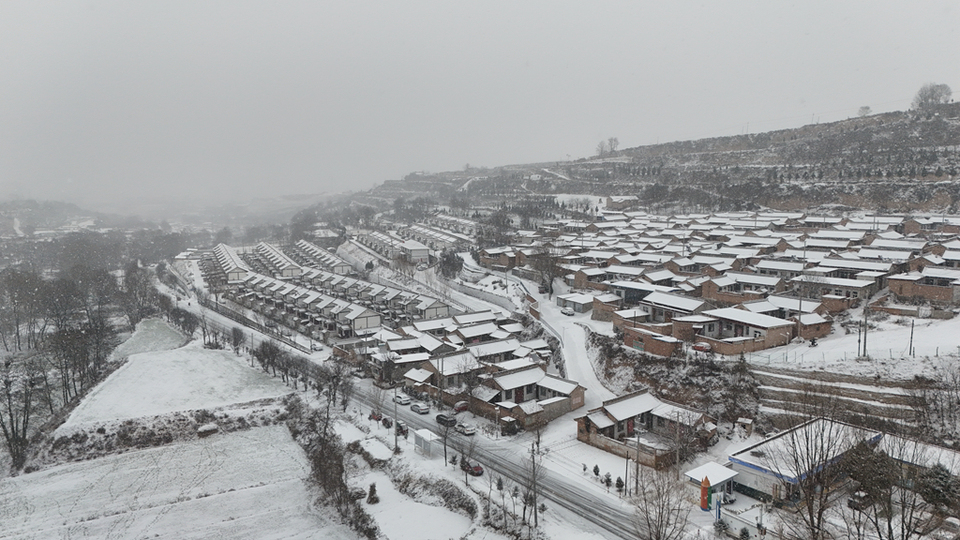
757,334
660,421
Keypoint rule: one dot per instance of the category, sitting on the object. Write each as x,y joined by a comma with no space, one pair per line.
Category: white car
401,399
567,311
420,408
466,429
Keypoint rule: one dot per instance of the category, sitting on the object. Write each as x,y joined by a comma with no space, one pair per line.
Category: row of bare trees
56,335
905,492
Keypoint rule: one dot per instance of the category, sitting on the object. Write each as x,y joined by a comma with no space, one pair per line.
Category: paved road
510,460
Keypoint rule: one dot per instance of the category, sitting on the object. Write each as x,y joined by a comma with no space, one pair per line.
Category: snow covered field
151,335
242,484
181,379
247,484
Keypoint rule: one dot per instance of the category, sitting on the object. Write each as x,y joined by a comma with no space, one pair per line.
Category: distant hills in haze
898,161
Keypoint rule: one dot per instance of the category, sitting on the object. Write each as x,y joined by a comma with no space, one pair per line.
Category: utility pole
910,347
396,421
866,307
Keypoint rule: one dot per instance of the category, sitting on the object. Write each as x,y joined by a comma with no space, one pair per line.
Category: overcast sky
130,101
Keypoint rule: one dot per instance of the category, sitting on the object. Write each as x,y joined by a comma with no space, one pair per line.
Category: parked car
567,311
402,429
375,416
401,399
466,429
461,406
420,408
387,422
702,346
446,420
471,468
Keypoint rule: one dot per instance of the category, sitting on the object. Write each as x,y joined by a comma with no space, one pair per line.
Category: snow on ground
934,341
187,378
151,335
247,484
402,518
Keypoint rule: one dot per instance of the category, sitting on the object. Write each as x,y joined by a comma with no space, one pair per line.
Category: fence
274,333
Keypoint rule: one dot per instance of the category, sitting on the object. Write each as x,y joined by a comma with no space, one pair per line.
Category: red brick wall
648,344
911,289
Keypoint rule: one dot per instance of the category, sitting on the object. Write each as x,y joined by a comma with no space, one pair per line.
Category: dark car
402,429
387,422
446,420
471,469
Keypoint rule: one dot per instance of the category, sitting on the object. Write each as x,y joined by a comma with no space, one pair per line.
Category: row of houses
322,258
435,238
646,272
475,357
392,247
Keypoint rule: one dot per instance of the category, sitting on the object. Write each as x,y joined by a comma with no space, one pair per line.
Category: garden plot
247,484
187,378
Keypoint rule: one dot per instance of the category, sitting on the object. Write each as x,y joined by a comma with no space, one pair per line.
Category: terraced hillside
897,161
787,394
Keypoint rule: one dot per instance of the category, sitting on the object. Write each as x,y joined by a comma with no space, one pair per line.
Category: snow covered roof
673,301
455,363
472,318
600,420
494,347
531,407
484,393
811,318
713,471
515,363
773,455
517,379
632,406
476,330
558,385
418,375
632,313
750,318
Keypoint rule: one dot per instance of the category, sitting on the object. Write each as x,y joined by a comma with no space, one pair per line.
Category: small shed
423,440
714,478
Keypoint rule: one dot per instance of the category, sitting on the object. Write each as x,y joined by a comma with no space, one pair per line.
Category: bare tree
601,148
467,453
237,337
896,505
376,396
546,261
19,382
804,460
931,95
612,144
662,512
864,111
